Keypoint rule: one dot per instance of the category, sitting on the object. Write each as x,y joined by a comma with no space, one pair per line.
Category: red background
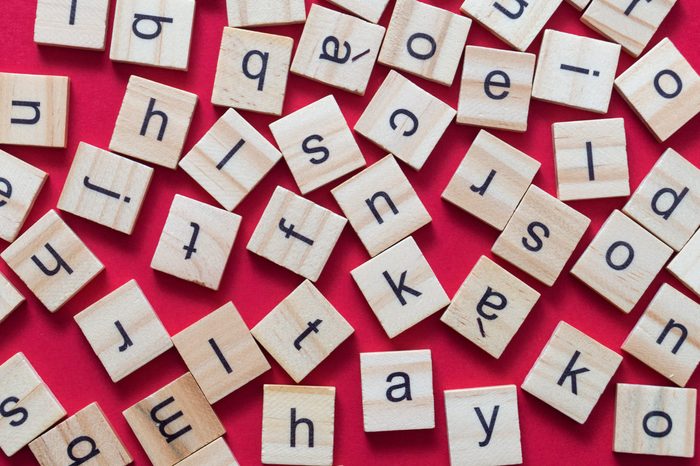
452,244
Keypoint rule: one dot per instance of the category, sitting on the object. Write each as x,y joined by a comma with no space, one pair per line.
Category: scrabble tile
400,287
425,40
621,261
52,261
579,4
371,10
490,306
217,453
196,242
10,298
298,425
20,184
397,390
124,331
491,180
667,336
571,372
70,23
629,23
243,13
105,188
87,436
220,352
302,330
662,88
667,202
575,71
252,71
685,266
483,426
153,32
591,159
495,88
33,109
655,420
317,144
29,407
337,49
405,120
516,23
381,205
174,422
153,122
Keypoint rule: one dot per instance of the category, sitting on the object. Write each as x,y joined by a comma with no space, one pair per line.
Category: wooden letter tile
371,10
490,306
400,287
52,261
220,352
397,390
483,426
71,23
10,298
572,372
405,120
298,425
196,242
87,436
337,49
302,330
33,110
491,180
124,331
242,13
174,422
20,184
655,420
217,453
296,233
686,265
153,122
381,205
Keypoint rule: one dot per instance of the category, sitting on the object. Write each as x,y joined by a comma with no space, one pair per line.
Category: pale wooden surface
177,105
382,185
217,453
10,298
351,43
20,184
684,265
243,13
634,402
147,335
87,31
410,137
491,180
371,10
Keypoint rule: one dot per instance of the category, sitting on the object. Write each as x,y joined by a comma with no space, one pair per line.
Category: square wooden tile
69,23
653,420
10,298
483,426
220,352
490,306
298,425
337,49
575,71
29,406
491,180
174,422
52,261
296,234
667,202
685,266
105,188
405,120
425,40
153,32
667,336
33,110
495,88
400,287
382,206
242,13
317,144
217,453
86,436
397,390
371,10
621,261
196,242
124,331
153,122
252,71
20,184
302,330
662,88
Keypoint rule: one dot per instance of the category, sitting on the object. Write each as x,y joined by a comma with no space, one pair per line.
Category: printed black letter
421,56
405,385
521,4
372,200
157,22
489,82
398,290
27,121
570,372
125,336
22,412
659,434
334,56
150,113
163,423
294,424
611,250
670,326
677,198
313,150
7,192
488,428
260,75
60,263
230,154
411,116
676,79
312,327
94,451
538,241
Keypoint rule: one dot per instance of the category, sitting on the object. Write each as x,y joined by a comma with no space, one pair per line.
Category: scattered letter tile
686,265
20,184
217,453
10,298
371,10
242,13
71,23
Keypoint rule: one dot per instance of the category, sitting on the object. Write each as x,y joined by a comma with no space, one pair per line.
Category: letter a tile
20,184
217,453
71,23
